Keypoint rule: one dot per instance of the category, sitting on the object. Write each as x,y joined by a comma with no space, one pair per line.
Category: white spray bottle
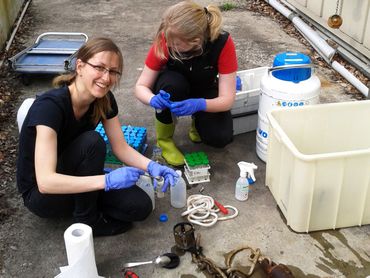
246,178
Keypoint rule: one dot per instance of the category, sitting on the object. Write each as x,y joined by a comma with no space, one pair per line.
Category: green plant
227,6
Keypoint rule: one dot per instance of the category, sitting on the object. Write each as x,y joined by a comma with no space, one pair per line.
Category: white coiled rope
201,210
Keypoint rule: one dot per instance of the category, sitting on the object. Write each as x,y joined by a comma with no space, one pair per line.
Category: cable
201,211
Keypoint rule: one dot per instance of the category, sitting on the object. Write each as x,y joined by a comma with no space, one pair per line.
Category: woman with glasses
190,70
61,157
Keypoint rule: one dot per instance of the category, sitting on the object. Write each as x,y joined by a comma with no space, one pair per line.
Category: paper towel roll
80,253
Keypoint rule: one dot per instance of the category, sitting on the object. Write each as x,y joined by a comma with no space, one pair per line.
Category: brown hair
88,50
188,21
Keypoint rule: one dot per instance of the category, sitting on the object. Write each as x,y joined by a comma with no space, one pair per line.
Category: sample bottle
145,183
246,178
159,187
178,192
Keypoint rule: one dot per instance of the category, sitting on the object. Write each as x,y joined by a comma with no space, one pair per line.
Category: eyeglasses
104,70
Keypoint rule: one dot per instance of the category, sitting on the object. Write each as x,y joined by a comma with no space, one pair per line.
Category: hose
201,210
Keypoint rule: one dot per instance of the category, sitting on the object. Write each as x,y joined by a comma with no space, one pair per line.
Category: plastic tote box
245,107
318,164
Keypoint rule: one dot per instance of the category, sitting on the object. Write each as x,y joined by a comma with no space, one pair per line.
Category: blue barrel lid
292,58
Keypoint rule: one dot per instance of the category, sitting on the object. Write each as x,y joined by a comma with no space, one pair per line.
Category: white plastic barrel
291,87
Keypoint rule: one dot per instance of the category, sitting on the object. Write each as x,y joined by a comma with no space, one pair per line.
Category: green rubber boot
193,133
170,152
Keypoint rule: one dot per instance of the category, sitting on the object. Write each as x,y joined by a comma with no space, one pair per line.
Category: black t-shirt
52,109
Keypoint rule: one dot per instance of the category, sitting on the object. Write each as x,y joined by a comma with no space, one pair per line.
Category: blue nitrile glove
188,106
123,177
160,100
155,169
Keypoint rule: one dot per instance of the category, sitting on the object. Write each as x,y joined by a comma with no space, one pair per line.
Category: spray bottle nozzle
249,168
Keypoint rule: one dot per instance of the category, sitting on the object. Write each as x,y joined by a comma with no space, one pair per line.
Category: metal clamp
284,67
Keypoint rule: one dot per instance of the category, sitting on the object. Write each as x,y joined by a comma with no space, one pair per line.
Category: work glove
161,100
155,169
188,106
123,177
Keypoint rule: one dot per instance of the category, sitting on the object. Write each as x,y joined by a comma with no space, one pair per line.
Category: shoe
108,226
193,133
170,152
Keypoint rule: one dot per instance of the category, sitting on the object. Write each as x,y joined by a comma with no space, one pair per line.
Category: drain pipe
320,45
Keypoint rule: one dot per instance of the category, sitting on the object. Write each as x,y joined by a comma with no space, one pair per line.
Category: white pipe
351,78
315,38
321,46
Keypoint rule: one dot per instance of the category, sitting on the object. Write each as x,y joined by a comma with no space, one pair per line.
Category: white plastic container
22,111
276,93
178,192
318,165
245,107
146,184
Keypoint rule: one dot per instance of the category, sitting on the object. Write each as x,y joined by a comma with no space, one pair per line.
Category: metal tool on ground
185,240
220,207
167,260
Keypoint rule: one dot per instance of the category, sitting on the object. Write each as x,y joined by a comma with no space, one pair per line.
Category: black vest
201,71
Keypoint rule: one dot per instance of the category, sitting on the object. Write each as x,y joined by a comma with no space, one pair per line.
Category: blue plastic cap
292,58
238,83
163,217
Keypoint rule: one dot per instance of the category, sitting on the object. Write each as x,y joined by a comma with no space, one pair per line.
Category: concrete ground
36,246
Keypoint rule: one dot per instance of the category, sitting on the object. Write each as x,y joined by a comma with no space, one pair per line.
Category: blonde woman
193,62
61,157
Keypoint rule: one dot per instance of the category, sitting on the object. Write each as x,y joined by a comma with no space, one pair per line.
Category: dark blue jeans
85,157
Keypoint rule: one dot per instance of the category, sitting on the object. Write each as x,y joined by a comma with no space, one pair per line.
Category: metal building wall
9,10
355,30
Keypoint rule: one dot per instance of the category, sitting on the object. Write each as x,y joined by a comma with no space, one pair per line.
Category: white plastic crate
318,165
244,110
197,174
246,100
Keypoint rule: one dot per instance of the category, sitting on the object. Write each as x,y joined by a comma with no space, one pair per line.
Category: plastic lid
163,217
292,58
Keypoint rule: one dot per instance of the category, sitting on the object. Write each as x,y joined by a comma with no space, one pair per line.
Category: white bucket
277,93
22,111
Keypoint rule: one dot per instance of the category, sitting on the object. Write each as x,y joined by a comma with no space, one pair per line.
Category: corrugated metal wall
9,10
355,29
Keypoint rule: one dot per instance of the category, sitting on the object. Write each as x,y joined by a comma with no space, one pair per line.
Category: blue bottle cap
292,58
163,217
238,83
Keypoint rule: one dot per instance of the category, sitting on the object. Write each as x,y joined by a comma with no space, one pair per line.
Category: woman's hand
155,169
188,106
123,177
160,100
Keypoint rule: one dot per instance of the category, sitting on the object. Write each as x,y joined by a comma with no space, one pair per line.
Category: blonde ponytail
214,22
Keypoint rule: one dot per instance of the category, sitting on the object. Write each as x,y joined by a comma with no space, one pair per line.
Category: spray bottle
246,178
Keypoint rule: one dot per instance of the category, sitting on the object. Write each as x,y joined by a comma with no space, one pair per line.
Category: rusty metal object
184,236
274,270
185,240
